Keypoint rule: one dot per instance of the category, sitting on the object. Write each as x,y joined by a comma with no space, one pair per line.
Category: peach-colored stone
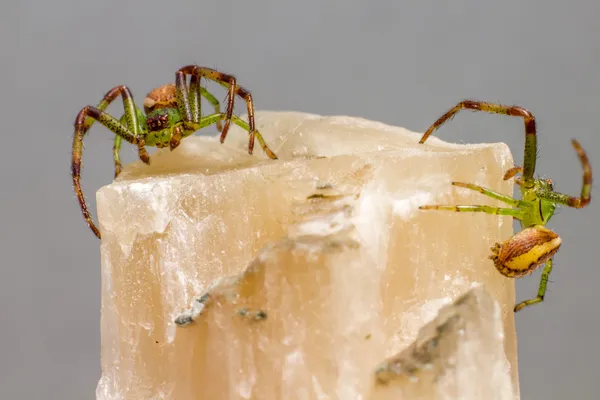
327,241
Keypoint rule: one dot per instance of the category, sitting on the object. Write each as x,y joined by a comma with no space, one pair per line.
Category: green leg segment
195,105
116,156
213,118
183,99
84,121
530,158
490,193
541,291
245,126
132,118
485,209
194,97
141,121
115,126
215,103
131,113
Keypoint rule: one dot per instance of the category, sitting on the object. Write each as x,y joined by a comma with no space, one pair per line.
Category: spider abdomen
524,252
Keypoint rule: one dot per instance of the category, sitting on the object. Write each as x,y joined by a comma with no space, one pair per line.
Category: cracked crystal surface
327,243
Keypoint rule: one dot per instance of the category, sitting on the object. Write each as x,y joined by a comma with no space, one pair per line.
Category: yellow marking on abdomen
538,254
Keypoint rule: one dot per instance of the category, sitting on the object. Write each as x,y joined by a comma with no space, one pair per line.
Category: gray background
399,62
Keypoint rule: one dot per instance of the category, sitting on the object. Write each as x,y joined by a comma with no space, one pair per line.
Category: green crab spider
534,245
172,112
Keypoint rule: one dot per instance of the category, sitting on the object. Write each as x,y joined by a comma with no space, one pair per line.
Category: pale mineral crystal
307,277
458,355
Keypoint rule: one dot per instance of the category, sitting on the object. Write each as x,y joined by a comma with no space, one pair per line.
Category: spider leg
490,193
131,118
541,291
194,93
197,90
116,156
215,103
585,197
118,139
230,82
512,172
244,125
516,213
176,135
189,105
80,130
128,105
211,119
514,111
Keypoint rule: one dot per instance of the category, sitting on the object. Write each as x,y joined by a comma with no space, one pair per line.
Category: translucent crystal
459,355
316,268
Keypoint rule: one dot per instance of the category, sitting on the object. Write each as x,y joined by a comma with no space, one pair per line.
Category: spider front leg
82,126
132,118
131,115
513,111
194,93
585,197
228,81
143,155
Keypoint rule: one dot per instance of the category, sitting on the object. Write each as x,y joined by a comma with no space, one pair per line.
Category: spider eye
157,122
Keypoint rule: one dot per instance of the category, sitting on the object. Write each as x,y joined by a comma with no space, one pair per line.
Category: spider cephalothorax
171,113
534,245
164,122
